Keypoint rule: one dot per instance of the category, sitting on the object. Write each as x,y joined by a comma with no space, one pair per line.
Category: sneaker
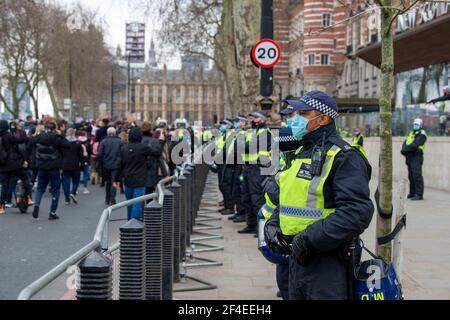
85,191
36,212
74,198
30,201
9,205
417,198
67,202
2,210
53,216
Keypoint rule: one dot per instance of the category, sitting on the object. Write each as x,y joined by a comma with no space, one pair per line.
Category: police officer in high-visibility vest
225,128
324,202
358,138
240,127
413,149
254,159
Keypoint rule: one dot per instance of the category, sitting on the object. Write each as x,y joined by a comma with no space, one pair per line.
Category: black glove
302,249
275,239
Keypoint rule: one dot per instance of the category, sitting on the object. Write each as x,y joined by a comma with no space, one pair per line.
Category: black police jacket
346,189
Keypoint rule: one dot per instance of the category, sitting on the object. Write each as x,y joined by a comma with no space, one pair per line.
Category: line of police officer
239,158
318,202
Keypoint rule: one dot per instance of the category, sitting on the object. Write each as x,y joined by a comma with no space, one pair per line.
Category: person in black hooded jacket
12,163
49,146
133,169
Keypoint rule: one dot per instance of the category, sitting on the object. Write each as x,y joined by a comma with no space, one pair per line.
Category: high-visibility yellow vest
356,139
207,135
301,195
237,134
268,208
250,157
412,136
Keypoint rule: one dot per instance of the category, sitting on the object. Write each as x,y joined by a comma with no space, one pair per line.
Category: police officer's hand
275,239
301,249
280,245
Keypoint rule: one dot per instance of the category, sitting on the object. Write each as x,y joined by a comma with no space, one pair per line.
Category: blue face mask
298,125
71,139
237,126
222,128
416,127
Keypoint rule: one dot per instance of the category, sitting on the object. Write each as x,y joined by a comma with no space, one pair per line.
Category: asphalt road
29,248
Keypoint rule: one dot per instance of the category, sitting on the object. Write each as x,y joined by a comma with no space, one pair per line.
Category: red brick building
312,38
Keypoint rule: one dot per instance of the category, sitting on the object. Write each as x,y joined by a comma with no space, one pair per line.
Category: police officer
240,126
358,138
223,172
324,202
252,191
412,149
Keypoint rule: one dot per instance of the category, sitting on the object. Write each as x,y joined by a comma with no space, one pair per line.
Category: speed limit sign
266,53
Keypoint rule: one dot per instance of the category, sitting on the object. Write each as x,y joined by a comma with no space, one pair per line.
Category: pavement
29,248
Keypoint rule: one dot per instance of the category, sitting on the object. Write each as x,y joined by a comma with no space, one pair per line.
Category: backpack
46,153
3,153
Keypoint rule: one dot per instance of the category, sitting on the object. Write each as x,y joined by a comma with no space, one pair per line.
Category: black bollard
95,282
153,250
167,280
132,261
183,215
176,189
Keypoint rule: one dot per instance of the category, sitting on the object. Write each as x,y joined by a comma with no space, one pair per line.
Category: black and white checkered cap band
319,106
287,138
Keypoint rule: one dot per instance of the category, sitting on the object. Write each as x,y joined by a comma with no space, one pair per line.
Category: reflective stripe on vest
301,200
267,211
253,158
412,136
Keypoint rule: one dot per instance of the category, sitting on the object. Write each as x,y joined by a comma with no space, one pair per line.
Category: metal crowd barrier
152,254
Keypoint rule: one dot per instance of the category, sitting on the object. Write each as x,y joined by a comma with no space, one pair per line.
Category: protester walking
109,156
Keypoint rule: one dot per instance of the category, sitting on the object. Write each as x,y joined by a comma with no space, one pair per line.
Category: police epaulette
344,145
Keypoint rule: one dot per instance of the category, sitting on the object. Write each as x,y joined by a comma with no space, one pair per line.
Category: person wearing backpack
71,165
13,163
49,146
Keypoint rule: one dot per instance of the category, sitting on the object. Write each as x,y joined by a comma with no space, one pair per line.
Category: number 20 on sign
266,53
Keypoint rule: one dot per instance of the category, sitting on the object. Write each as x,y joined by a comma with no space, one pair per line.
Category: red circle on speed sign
266,53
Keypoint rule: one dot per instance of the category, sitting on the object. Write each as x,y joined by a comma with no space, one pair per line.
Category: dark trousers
70,182
44,178
324,278
252,193
227,185
416,184
110,191
6,179
237,192
282,273
219,177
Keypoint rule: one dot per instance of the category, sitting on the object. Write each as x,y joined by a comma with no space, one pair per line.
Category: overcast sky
115,13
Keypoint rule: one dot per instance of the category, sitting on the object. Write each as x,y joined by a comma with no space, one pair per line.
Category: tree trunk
227,54
384,225
52,97
247,26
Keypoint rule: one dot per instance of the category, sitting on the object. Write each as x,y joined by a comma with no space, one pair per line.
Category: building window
311,59
326,20
324,59
160,95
